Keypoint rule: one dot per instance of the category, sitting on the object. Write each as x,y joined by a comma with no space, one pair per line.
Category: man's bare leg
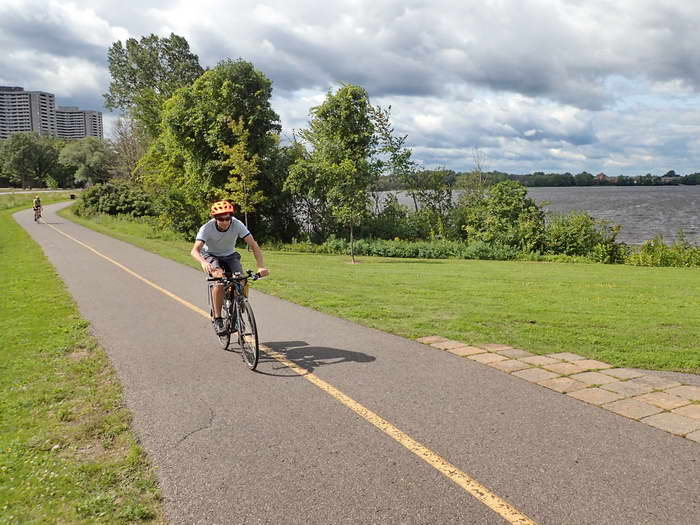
217,292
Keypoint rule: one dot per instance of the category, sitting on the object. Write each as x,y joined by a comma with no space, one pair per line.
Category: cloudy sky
550,85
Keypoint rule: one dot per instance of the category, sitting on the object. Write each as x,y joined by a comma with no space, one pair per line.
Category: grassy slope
23,200
67,454
628,316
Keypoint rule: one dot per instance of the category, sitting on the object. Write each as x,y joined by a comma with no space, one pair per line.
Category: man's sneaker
219,326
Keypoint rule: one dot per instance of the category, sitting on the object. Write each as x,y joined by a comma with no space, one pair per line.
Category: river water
642,211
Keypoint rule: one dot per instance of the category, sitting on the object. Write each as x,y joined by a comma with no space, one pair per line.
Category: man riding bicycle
36,206
215,249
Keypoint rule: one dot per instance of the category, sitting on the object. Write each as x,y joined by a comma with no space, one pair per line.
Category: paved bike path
231,446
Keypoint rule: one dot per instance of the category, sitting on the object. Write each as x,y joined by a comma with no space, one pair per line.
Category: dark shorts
228,263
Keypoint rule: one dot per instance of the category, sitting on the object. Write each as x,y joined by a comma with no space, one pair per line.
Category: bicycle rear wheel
248,334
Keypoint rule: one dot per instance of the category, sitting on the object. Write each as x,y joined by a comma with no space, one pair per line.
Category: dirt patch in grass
79,354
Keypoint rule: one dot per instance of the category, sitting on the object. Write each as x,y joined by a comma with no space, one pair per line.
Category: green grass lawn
20,200
625,315
67,454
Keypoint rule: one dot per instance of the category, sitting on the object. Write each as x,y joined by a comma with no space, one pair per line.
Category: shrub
504,215
390,222
579,234
574,259
656,253
396,220
178,213
114,198
493,251
442,249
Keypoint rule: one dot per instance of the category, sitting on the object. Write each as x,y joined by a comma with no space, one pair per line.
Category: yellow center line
469,484
133,273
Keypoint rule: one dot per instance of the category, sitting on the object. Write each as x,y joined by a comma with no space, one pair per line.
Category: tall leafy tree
342,165
399,162
147,72
190,160
242,186
90,158
434,194
279,213
435,188
129,145
28,159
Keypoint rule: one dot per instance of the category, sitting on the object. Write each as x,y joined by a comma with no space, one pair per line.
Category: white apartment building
15,111
43,112
93,124
25,111
74,123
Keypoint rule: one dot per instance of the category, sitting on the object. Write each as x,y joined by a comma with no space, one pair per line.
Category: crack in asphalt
208,425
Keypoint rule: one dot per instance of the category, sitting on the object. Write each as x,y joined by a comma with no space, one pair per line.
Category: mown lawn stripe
67,453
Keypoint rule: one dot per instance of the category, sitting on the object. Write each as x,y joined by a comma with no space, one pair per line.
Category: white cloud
84,22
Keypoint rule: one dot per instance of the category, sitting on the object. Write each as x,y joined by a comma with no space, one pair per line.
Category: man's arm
197,256
257,253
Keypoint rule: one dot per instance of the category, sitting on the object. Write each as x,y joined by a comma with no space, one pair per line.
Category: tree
400,164
28,159
187,161
129,145
278,215
584,179
434,195
342,163
199,115
242,185
89,157
147,72
691,179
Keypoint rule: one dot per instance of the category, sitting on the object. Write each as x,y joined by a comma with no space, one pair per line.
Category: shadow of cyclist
310,357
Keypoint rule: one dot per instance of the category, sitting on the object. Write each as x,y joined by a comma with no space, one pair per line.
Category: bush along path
659,402
67,454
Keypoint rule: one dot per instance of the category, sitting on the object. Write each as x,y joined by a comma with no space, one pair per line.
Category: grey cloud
532,51
299,63
18,31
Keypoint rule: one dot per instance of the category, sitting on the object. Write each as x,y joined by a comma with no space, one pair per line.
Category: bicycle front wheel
225,338
248,334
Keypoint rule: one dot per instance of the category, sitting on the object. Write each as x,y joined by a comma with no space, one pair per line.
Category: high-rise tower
25,111
74,123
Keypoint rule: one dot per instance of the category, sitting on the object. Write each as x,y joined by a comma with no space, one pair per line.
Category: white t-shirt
221,243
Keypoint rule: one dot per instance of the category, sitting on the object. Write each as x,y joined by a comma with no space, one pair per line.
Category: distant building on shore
26,111
74,123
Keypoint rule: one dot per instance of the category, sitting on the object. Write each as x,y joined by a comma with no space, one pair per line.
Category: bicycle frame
235,283
237,314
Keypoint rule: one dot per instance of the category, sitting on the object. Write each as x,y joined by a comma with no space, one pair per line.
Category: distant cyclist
36,206
215,249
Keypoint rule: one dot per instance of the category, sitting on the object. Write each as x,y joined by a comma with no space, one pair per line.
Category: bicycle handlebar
237,277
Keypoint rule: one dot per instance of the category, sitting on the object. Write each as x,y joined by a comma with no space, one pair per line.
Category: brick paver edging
662,403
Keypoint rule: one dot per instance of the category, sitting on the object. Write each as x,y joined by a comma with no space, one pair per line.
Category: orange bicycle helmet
221,207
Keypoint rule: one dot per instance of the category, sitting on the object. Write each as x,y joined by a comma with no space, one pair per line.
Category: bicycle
37,213
237,315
